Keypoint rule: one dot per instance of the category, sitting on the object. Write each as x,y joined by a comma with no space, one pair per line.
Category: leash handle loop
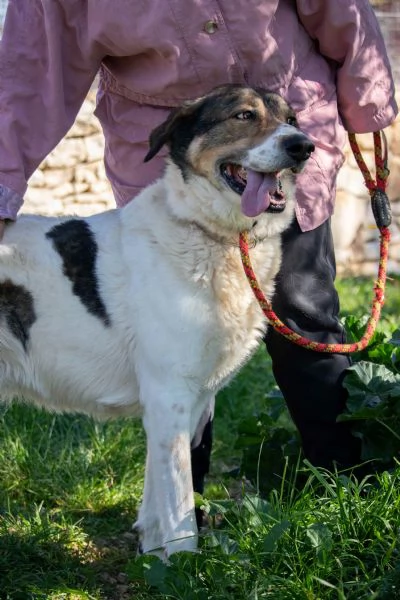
380,203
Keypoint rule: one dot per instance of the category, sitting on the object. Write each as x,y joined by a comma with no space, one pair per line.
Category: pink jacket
152,54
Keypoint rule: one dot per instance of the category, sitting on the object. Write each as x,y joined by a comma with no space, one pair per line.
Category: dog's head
244,141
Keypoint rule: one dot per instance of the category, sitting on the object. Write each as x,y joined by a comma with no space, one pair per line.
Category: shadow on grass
44,555
68,497
33,567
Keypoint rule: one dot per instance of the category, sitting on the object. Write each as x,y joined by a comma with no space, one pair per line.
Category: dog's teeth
242,173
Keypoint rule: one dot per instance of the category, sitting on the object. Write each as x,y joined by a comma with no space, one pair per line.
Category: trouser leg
306,300
201,449
200,453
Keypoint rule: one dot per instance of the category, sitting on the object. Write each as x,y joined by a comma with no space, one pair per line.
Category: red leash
381,210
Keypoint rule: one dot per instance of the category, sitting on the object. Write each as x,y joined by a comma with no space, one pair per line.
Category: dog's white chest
240,322
201,319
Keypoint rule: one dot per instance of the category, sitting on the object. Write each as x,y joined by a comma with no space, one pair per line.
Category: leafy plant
270,445
373,385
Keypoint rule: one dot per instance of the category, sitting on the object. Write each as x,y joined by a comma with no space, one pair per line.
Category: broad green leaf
320,537
155,573
275,534
260,511
396,359
369,384
395,339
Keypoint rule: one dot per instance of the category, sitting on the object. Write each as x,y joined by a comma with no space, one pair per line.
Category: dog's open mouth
260,192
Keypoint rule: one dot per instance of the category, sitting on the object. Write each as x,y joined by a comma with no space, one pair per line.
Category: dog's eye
292,121
245,115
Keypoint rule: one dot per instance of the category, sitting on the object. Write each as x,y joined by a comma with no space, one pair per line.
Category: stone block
70,152
42,201
348,219
64,190
94,145
57,177
86,173
38,179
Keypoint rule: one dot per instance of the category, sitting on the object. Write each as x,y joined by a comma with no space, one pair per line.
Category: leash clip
381,209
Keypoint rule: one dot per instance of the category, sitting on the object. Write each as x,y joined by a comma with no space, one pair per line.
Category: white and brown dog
146,310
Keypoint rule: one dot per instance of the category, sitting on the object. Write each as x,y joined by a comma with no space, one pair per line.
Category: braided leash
381,210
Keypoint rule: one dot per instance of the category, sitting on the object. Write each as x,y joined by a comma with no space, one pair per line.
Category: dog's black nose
298,147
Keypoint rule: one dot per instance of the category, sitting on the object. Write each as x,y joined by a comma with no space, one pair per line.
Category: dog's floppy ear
163,133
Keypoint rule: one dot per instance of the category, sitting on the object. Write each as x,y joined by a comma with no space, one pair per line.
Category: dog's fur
146,310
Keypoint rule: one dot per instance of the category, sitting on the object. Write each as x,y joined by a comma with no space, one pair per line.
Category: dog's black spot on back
17,308
75,243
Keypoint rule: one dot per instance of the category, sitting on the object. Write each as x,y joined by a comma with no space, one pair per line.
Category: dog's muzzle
263,192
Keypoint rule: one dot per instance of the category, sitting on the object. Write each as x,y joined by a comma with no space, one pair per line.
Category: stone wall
354,230
72,180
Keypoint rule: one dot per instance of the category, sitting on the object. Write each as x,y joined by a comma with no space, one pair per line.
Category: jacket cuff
10,203
364,122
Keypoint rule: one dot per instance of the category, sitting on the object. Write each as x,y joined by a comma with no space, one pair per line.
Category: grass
70,489
334,540
68,495
356,297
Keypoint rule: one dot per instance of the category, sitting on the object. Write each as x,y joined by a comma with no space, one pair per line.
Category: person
327,58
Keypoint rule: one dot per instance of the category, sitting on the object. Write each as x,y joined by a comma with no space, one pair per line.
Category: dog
145,310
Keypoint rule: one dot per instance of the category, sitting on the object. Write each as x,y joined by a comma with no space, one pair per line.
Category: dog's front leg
148,520
168,478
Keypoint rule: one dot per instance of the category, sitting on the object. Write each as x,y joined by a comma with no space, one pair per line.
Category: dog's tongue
256,196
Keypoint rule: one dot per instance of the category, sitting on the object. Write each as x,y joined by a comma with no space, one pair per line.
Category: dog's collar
233,241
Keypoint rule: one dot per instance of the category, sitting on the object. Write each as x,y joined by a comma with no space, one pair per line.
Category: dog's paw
150,539
187,542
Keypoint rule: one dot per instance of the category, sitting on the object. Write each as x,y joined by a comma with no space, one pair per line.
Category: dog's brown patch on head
237,121
17,309
278,107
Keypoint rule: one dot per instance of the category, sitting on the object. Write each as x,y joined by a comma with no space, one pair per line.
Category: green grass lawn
70,489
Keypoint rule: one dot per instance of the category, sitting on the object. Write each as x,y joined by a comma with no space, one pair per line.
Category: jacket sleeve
47,65
347,32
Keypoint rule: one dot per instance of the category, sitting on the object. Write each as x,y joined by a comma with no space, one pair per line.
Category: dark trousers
306,300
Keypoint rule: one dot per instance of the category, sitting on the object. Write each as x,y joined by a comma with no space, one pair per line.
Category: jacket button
210,27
